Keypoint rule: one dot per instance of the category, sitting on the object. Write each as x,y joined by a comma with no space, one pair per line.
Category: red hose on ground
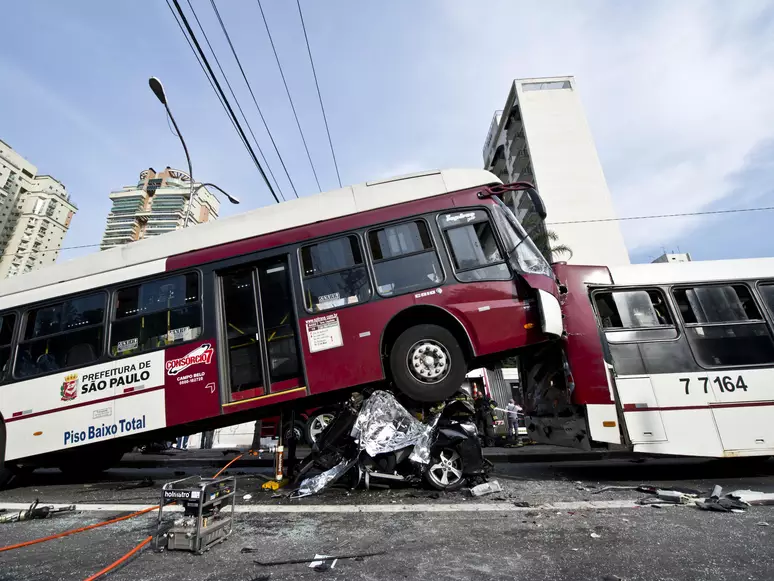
79,530
119,561
97,525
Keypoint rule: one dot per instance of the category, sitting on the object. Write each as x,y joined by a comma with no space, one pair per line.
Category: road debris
595,536
753,497
717,503
146,482
356,557
247,497
486,488
323,563
762,524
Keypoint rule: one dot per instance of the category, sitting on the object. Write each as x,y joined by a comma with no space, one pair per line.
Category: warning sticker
324,333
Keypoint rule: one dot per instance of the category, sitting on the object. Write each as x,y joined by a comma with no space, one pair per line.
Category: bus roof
697,271
148,256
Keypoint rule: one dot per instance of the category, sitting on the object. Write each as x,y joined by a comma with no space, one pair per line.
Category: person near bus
512,411
182,443
485,417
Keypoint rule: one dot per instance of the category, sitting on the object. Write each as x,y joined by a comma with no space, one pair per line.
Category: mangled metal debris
376,440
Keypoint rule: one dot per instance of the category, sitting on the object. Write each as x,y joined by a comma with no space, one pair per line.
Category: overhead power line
225,99
196,55
250,88
319,95
678,215
707,213
287,90
233,95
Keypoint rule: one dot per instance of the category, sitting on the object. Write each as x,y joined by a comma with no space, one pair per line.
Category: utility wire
250,88
319,95
287,90
196,55
707,213
225,99
236,100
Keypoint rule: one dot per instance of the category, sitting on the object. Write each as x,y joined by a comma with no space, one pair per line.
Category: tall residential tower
157,204
542,136
35,214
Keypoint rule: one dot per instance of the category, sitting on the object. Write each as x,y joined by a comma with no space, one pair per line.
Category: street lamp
158,90
229,197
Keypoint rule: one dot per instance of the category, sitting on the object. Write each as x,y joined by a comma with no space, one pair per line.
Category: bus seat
80,354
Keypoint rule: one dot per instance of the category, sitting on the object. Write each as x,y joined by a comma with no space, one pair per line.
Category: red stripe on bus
83,403
17,414
630,407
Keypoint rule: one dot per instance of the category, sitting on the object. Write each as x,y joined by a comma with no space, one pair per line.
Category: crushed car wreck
374,440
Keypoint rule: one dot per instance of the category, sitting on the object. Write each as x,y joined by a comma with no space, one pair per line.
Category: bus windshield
522,252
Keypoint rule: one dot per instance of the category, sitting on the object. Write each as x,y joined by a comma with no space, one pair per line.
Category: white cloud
677,94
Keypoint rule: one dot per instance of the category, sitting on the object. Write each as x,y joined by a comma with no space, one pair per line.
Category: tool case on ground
208,513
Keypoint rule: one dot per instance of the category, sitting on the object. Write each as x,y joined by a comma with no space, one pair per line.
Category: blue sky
678,96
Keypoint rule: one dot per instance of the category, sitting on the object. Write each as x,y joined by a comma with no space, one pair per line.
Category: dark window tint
767,292
155,314
331,255
634,309
65,335
6,335
474,249
404,258
334,274
66,316
724,326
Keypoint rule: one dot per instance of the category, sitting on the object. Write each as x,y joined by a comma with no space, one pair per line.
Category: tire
300,429
446,470
316,423
419,378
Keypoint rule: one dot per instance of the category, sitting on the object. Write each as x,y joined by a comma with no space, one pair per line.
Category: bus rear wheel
427,363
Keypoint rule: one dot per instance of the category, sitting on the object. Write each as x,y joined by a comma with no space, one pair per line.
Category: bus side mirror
537,203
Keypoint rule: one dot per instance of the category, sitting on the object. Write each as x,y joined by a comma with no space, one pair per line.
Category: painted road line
363,508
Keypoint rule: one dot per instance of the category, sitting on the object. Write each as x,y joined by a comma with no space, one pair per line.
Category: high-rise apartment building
157,204
673,257
35,214
542,136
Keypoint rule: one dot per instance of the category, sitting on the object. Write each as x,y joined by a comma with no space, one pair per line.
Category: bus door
259,330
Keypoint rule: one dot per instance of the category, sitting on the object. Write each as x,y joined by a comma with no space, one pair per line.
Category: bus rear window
155,314
63,335
334,274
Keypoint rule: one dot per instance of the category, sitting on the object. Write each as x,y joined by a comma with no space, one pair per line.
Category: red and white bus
672,358
413,280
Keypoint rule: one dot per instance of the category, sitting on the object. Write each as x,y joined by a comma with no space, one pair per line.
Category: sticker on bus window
324,333
183,333
127,345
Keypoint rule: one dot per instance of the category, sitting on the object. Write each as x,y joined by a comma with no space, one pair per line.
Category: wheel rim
319,423
446,470
428,361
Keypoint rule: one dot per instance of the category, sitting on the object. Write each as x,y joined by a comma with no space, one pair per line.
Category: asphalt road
539,527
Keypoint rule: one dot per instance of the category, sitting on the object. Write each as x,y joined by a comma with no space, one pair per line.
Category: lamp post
158,90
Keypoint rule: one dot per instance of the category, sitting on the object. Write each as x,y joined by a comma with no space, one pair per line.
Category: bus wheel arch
6,473
432,330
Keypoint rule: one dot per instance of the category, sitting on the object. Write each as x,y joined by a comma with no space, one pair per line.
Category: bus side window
473,246
634,315
6,335
404,258
63,335
155,314
767,292
334,274
724,325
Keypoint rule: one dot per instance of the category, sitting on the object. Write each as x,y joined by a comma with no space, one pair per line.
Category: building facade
157,204
542,136
35,214
673,257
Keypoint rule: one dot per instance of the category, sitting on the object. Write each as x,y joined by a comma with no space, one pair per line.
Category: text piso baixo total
124,426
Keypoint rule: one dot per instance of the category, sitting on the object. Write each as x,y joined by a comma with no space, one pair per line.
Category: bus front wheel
427,363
